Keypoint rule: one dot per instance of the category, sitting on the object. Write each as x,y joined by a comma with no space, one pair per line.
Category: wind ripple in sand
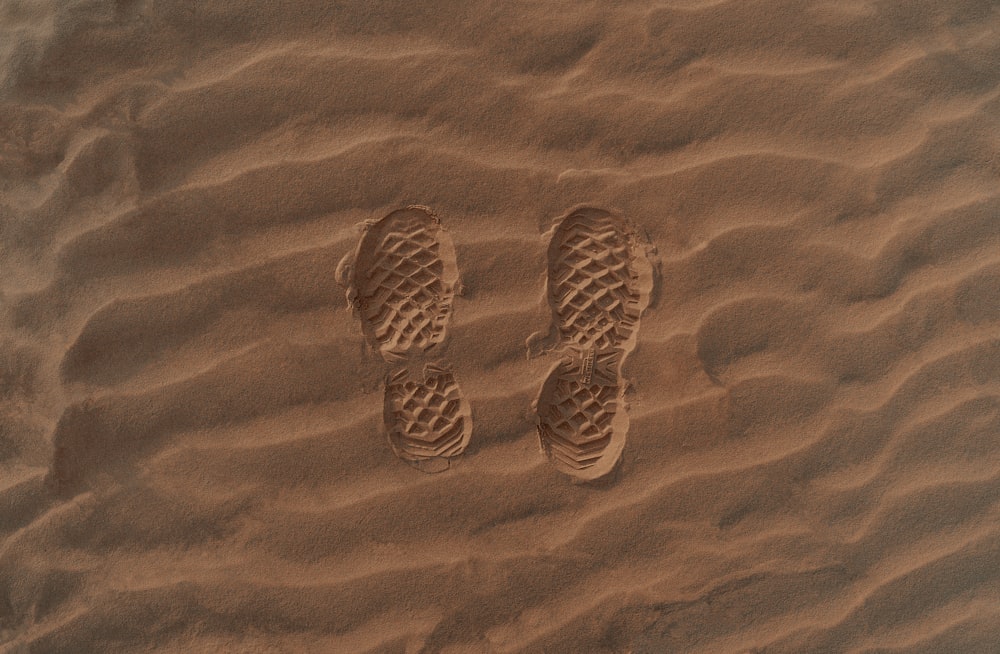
190,450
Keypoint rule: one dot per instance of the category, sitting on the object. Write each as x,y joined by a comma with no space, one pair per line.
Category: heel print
427,418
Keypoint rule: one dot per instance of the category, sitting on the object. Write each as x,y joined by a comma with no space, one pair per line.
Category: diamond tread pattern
428,417
403,295
592,287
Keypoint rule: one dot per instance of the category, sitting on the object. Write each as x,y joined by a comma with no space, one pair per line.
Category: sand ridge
193,430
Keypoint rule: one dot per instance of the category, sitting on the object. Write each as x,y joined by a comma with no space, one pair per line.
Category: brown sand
798,440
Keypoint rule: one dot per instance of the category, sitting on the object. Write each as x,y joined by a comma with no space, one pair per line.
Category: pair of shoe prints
401,282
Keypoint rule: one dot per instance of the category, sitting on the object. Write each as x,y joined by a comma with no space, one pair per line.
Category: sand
699,350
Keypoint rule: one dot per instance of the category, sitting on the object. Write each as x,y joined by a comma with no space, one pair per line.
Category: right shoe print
401,281
599,283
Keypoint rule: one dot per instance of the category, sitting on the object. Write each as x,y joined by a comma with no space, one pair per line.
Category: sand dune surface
584,327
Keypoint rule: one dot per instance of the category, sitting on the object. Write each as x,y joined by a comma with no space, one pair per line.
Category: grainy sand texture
346,326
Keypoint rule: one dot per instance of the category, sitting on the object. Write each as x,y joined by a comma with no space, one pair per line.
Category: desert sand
585,327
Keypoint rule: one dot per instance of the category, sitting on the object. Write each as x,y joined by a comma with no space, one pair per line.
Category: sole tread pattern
599,282
593,285
405,276
402,282
426,418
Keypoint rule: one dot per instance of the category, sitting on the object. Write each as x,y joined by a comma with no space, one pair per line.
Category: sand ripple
191,455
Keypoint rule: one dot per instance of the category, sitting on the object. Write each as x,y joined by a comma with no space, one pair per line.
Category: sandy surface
794,411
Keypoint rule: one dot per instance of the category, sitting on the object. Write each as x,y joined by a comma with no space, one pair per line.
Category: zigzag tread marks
580,425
